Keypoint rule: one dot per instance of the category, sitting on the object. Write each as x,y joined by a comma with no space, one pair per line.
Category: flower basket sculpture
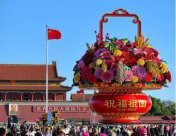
120,69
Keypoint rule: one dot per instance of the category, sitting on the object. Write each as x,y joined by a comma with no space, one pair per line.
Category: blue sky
23,34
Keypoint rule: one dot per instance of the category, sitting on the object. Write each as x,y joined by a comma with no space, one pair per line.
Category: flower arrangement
121,61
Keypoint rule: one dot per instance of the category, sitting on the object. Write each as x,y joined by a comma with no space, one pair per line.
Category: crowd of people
90,130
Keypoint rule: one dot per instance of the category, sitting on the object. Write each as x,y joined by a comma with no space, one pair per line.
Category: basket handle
118,13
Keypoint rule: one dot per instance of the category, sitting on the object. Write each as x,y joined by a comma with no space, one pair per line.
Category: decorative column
43,99
64,97
54,96
32,96
5,96
21,97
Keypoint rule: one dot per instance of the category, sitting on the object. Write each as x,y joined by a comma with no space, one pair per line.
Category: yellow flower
125,41
99,61
104,67
141,62
152,68
134,79
141,42
117,53
163,67
149,46
77,77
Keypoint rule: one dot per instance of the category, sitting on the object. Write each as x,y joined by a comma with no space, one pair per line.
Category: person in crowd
103,132
148,130
32,131
85,131
38,134
24,133
78,130
128,131
97,131
174,127
61,133
2,132
9,134
144,131
152,130
109,131
156,130
72,132
47,132
66,129
118,132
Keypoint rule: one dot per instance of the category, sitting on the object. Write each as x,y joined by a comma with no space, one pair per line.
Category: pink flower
107,76
81,64
105,55
128,74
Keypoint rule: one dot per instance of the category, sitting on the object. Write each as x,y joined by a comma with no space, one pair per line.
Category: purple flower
113,67
140,72
98,73
98,52
107,76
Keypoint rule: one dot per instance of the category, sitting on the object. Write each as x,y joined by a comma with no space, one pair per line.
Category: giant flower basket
120,69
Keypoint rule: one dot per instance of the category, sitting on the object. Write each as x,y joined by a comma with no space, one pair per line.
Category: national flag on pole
53,34
81,91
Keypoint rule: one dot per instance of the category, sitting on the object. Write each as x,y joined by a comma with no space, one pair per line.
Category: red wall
26,113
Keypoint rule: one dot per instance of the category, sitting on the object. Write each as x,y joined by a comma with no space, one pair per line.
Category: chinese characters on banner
61,108
125,104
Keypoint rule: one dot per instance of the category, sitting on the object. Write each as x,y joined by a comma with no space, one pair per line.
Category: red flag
80,91
53,34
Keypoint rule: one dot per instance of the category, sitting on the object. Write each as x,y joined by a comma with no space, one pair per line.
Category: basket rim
141,86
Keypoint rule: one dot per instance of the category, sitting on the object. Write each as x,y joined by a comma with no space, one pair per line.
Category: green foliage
161,108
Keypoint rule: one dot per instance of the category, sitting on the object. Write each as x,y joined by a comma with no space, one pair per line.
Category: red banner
61,108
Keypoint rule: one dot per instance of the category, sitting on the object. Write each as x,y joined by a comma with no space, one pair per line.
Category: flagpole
46,69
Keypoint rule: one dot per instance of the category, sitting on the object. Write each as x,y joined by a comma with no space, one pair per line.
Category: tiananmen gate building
22,93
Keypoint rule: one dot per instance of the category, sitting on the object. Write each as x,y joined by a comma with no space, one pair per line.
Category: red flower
129,58
148,77
118,42
87,58
134,44
161,77
150,53
91,78
169,76
85,71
